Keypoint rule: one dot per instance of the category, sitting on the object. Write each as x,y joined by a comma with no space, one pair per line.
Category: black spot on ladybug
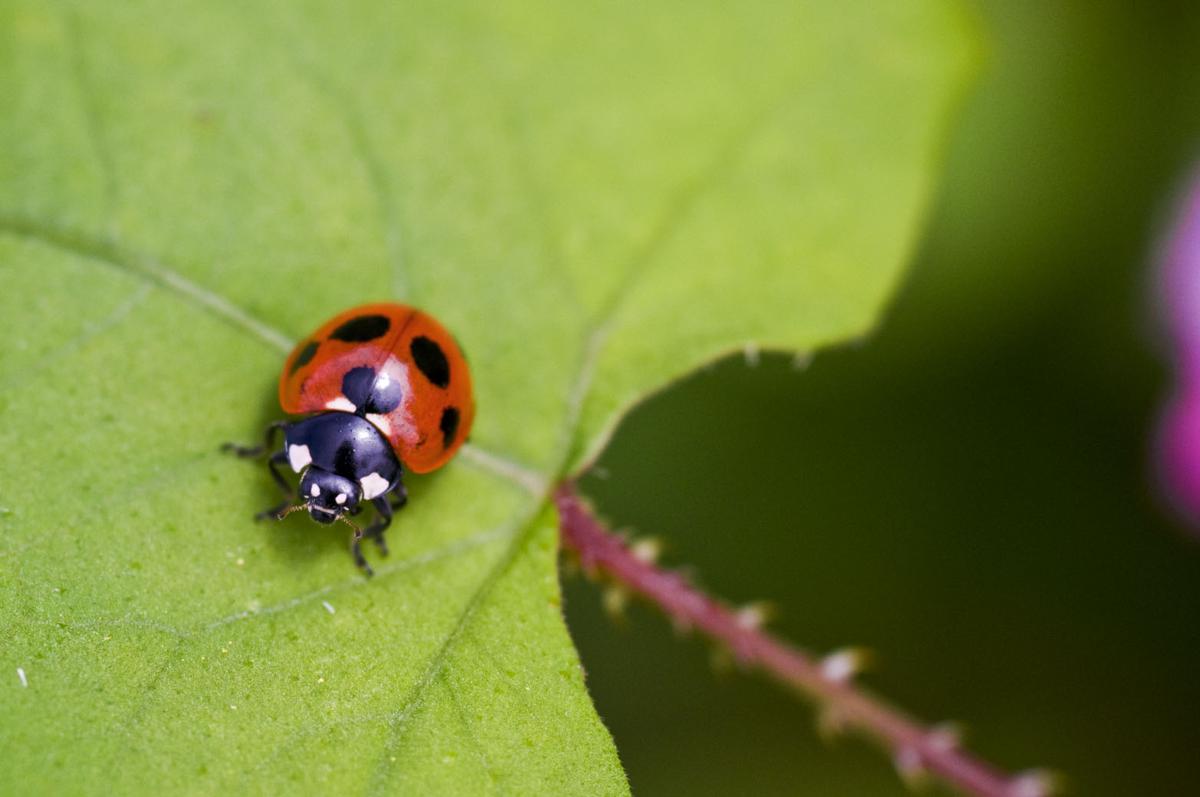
369,392
304,357
449,425
430,358
385,397
361,329
356,385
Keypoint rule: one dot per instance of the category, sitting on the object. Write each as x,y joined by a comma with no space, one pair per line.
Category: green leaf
596,198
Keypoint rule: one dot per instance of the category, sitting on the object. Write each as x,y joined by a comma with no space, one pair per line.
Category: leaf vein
399,719
383,573
519,531
472,736
90,332
143,623
677,210
109,253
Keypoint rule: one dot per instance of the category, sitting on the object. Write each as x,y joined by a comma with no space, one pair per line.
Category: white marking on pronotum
340,498
21,675
341,403
328,607
299,457
315,491
750,352
381,422
373,485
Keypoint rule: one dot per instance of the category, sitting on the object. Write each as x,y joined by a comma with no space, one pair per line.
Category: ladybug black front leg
382,521
273,512
399,497
356,549
278,458
252,452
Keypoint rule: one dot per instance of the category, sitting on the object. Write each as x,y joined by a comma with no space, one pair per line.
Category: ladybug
381,387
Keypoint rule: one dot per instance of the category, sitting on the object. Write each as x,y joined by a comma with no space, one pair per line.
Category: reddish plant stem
913,745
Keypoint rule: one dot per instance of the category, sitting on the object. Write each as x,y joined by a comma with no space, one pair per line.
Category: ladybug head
328,496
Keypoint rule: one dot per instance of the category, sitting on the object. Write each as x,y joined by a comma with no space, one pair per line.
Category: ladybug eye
315,491
341,498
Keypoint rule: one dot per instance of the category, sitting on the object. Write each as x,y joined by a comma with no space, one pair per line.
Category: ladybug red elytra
382,387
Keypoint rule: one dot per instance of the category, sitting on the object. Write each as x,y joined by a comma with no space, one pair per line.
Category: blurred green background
966,492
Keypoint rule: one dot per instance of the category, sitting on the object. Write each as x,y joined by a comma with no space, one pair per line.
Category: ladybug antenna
284,513
358,532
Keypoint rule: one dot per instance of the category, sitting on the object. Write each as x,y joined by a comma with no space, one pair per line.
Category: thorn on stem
1034,783
843,665
945,737
754,616
646,550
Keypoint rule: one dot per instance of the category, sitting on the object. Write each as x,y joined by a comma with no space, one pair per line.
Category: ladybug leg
250,452
279,459
399,497
382,521
356,550
273,512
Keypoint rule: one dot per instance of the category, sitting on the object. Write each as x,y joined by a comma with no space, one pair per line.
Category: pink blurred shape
1178,446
